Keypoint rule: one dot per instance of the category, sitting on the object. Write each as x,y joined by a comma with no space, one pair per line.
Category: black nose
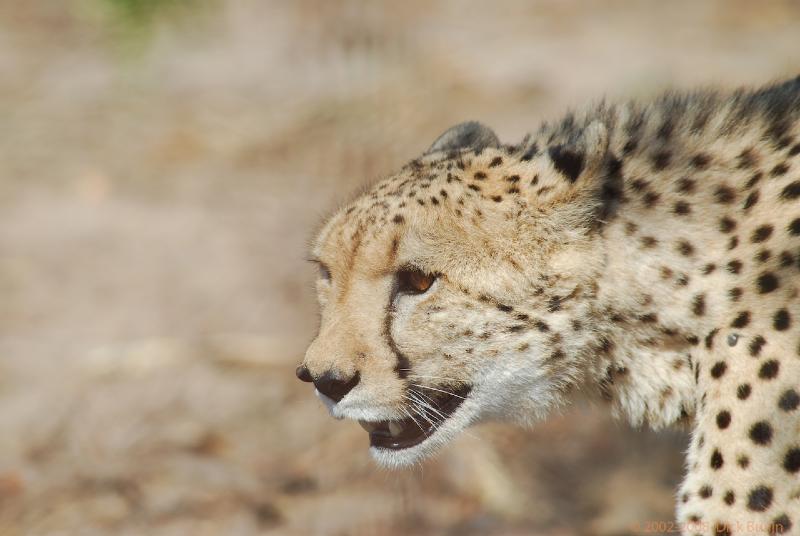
303,374
335,388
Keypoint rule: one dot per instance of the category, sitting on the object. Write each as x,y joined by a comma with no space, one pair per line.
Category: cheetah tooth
395,428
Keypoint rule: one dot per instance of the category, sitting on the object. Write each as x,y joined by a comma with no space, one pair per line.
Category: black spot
705,492
794,227
751,200
743,461
723,419
530,153
733,242
716,460
504,308
496,161
779,170
741,320
735,293
757,176
735,266
567,162
479,175
780,525
699,305
513,179
686,185
769,370
794,151
747,158
791,462
767,282
763,255
726,224
648,241
710,338
611,192
724,194
756,345
701,161
398,218
760,498
661,160
685,248
743,391
649,318
789,400
729,498
761,433
639,185
497,198
474,187
434,201
782,320
682,208
554,304
791,191
709,268
787,259
718,369
761,233
650,199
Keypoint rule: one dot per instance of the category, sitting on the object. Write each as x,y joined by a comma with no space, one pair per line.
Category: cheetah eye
324,272
414,281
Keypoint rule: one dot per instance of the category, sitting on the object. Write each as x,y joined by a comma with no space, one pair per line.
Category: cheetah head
455,291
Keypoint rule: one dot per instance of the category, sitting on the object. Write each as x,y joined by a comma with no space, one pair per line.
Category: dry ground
157,187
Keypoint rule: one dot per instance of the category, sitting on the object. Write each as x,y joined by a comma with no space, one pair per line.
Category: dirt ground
160,174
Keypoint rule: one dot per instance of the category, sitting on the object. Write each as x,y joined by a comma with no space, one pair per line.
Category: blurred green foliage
144,12
131,24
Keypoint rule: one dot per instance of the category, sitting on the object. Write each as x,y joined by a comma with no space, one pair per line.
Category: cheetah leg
743,464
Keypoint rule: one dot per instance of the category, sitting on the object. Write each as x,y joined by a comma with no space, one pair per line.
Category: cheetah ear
469,135
585,154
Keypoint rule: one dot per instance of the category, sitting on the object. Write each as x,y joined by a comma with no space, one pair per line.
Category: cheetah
644,254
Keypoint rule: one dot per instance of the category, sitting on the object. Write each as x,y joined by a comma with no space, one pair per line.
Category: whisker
442,391
429,402
410,416
414,407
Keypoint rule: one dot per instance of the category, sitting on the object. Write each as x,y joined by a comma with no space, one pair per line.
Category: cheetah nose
334,387
303,374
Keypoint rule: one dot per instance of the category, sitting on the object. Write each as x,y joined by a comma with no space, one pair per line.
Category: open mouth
424,420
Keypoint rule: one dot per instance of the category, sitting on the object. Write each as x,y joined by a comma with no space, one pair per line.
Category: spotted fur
646,253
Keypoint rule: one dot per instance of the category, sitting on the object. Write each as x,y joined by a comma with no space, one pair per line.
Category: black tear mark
403,364
566,161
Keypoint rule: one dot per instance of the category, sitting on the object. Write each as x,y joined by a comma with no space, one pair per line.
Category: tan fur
602,254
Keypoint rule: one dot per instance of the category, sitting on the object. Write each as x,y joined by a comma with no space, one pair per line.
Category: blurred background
163,164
